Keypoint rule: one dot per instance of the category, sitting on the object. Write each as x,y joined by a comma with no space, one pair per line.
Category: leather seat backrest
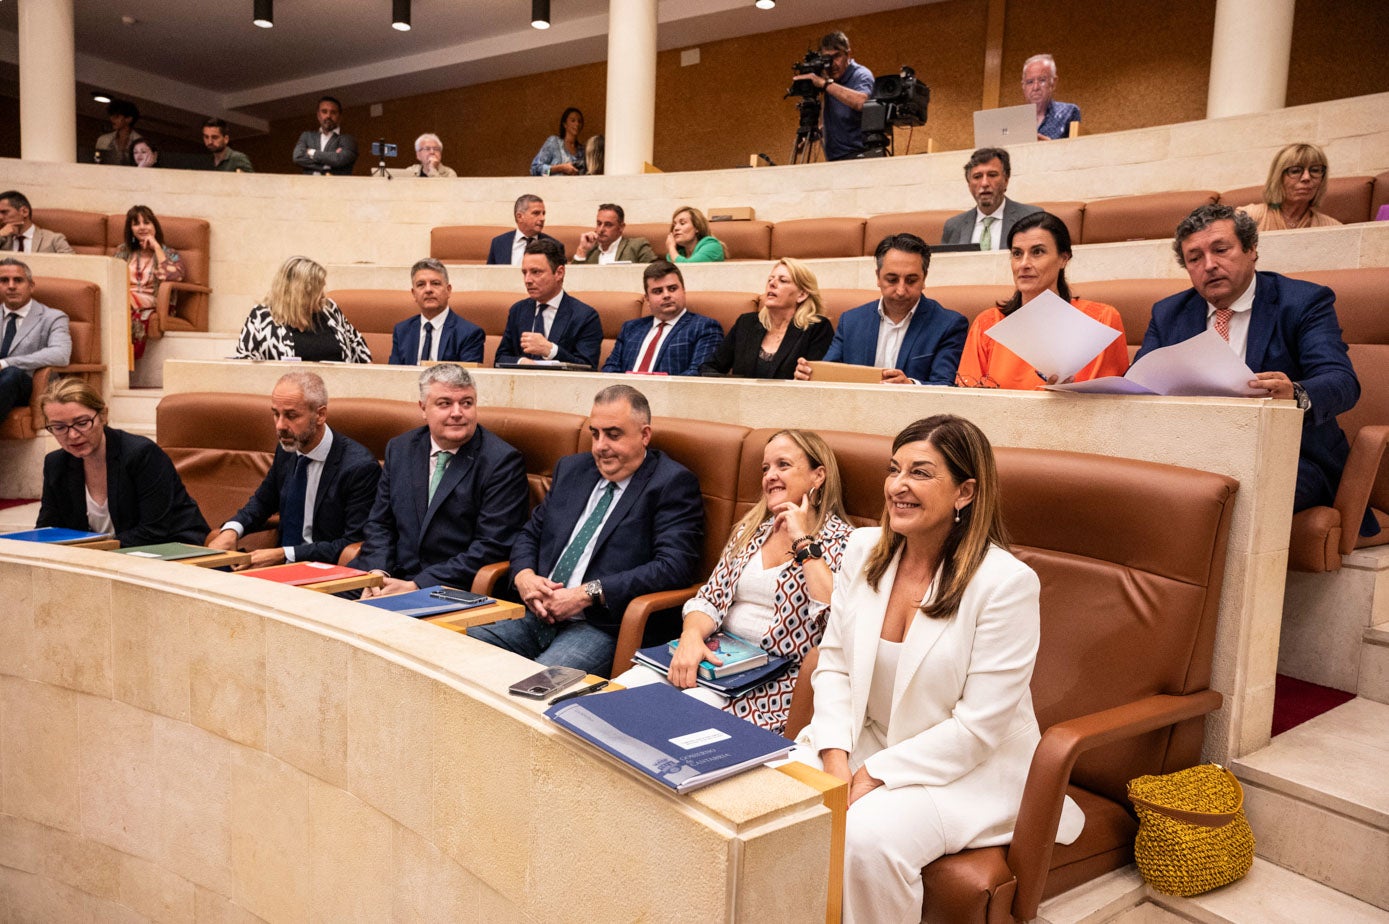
464,243
742,240
614,308
85,231
374,422
813,238
1151,216
81,302
1134,299
375,313
928,225
862,459
568,235
969,300
221,444
724,307
838,301
486,309
654,231
1072,214
542,437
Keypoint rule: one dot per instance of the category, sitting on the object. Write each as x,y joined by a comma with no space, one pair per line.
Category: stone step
1373,682
22,517
1317,800
133,409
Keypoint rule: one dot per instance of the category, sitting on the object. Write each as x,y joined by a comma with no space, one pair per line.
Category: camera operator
847,85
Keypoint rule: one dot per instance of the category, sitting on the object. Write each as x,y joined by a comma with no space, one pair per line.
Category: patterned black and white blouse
262,338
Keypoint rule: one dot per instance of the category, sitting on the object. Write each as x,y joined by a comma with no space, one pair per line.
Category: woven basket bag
1192,833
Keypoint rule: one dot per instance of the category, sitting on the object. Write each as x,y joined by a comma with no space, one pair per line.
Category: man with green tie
987,172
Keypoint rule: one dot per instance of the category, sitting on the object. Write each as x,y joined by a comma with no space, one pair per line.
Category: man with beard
217,140
987,172
327,150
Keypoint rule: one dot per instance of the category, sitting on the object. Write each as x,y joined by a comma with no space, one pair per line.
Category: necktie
427,351
19,243
441,462
11,320
1222,322
292,506
539,325
564,568
986,237
650,354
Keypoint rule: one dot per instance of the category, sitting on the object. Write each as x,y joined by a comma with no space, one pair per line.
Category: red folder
308,572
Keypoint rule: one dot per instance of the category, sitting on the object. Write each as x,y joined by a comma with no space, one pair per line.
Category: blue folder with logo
54,534
421,603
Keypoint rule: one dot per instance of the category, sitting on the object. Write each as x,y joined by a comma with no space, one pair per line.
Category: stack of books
746,666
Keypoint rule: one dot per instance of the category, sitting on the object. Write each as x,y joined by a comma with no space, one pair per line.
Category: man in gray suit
20,235
987,224
32,335
327,150
607,243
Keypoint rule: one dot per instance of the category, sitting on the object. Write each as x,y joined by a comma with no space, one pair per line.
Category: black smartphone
462,597
551,680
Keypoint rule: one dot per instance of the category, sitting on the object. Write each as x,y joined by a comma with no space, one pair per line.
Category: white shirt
1239,321
609,255
646,341
890,337
576,577
996,229
438,324
20,313
547,319
754,600
518,247
98,515
884,679
316,457
325,140
28,235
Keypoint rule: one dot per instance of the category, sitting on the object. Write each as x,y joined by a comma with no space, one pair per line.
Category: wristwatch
1304,400
594,589
812,550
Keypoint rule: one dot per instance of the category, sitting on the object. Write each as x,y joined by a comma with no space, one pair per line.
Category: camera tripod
380,169
808,132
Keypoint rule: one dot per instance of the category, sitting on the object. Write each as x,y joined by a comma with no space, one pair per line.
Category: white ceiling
182,60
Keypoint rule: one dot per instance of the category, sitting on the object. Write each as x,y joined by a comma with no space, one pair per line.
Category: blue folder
55,534
419,603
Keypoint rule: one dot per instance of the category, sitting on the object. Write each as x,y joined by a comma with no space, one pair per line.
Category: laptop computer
1000,128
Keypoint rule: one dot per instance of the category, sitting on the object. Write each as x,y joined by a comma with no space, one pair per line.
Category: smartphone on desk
464,598
549,681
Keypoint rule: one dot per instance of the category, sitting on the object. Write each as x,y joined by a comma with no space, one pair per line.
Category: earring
814,499
957,514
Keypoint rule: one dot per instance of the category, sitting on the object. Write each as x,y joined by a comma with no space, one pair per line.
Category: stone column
47,81
1249,57
631,116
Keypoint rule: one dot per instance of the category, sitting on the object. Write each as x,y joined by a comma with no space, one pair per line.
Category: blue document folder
420,603
675,739
658,657
55,534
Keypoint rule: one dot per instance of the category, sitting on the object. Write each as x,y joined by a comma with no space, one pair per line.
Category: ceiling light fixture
540,14
766,4
400,15
100,96
264,13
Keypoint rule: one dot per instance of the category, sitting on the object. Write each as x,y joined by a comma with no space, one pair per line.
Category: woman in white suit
922,701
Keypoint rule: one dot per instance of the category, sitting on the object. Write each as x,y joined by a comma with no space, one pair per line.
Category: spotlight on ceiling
264,13
540,14
101,96
765,4
400,15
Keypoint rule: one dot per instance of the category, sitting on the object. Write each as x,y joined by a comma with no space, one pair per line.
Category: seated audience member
1284,329
322,483
550,323
509,248
32,336
109,481
144,153
429,151
451,497
19,234
1296,184
618,522
436,333
936,759
689,240
217,140
673,339
327,150
847,85
562,154
912,338
608,243
1039,248
772,584
987,172
117,146
1038,84
148,263
594,149
788,327
297,319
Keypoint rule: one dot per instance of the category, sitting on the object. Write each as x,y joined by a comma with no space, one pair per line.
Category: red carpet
9,502
1296,701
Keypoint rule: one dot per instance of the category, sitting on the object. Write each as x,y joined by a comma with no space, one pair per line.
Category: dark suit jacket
651,540
146,498
959,229
629,250
346,490
577,331
461,341
339,161
479,505
931,347
500,252
737,354
687,346
1293,330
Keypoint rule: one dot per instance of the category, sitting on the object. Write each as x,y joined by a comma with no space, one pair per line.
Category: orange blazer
986,356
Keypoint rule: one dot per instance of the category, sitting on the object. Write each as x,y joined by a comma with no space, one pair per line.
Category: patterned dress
262,338
796,626
145,275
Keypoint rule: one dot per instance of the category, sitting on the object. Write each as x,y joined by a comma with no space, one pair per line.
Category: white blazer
962,720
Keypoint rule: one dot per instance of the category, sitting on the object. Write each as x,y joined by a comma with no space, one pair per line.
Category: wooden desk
100,545
337,585
219,560
463,620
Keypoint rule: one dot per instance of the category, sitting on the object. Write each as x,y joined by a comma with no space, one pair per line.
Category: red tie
650,354
1222,322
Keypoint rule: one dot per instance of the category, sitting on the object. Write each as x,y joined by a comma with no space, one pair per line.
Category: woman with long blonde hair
1295,187
297,319
789,325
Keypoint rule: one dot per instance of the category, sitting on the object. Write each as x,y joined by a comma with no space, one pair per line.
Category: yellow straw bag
1192,833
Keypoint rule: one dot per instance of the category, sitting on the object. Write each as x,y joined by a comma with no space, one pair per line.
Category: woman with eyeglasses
1295,187
109,481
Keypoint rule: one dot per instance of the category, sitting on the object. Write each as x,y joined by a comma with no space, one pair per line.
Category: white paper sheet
1056,337
1202,366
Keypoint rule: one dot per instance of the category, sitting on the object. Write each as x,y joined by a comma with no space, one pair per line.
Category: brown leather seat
812,238
1072,214
180,306
1151,216
724,307
221,444
838,301
743,240
81,302
568,235
1347,198
464,243
375,313
928,225
969,300
654,231
614,309
85,231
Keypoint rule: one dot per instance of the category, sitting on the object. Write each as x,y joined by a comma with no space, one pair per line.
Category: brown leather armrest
637,615
1358,480
162,300
1034,836
40,384
489,576
349,552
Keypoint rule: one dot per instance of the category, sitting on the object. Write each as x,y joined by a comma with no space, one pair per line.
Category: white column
1249,57
47,81
630,123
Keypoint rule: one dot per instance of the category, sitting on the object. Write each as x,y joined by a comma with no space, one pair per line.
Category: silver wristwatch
1304,400
594,589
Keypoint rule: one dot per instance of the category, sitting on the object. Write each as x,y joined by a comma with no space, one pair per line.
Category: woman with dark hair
922,699
144,153
148,263
117,146
563,153
1039,247
1295,187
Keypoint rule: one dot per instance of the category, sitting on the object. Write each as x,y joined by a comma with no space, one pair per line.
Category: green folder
168,551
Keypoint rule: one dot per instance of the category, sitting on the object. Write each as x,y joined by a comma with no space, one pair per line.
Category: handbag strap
1203,819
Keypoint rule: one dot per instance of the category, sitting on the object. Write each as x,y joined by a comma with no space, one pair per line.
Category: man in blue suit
437,334
1284,329
912,338
322,483
550,324
619,522
508,249
672,340
452,493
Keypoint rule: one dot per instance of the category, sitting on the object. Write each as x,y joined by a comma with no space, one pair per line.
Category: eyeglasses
1317,171
80,425
984,381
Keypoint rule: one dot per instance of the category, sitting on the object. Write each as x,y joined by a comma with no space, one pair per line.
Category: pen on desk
593,688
